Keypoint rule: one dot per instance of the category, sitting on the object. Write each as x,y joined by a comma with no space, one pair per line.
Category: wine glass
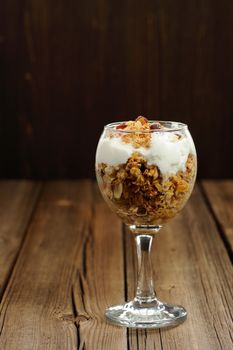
146,172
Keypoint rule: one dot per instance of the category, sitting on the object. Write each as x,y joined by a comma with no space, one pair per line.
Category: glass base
153,315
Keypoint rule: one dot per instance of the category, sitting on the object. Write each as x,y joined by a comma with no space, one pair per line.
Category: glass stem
145,292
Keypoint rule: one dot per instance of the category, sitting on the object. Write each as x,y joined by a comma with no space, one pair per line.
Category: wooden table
65,257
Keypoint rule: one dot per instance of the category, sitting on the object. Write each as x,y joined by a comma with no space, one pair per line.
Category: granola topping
145,174
168,151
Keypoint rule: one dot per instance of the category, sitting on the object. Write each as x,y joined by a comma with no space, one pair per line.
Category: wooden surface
65,257
220,200
68,69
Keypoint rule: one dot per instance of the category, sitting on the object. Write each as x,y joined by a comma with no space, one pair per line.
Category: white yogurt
166,151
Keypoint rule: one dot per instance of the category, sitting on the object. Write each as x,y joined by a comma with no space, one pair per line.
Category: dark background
69,67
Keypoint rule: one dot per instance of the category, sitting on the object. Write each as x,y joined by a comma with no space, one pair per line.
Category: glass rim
176,126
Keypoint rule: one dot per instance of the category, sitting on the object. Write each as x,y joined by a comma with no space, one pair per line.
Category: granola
139,187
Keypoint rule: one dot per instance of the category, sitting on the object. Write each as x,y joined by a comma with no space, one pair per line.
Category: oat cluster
140,194
139,132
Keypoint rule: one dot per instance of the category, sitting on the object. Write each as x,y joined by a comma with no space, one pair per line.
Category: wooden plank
17,202
220,199
61,66
10,50
193,87
101,281
191,268
69,269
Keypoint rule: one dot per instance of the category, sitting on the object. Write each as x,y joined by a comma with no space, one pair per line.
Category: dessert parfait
146,169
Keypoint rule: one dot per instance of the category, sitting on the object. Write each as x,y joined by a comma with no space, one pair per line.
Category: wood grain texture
202,267
60,285
17,203
76,260
220,199
100,281
69,68
42,295
191,268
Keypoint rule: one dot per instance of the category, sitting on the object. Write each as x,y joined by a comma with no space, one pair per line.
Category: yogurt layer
166,151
